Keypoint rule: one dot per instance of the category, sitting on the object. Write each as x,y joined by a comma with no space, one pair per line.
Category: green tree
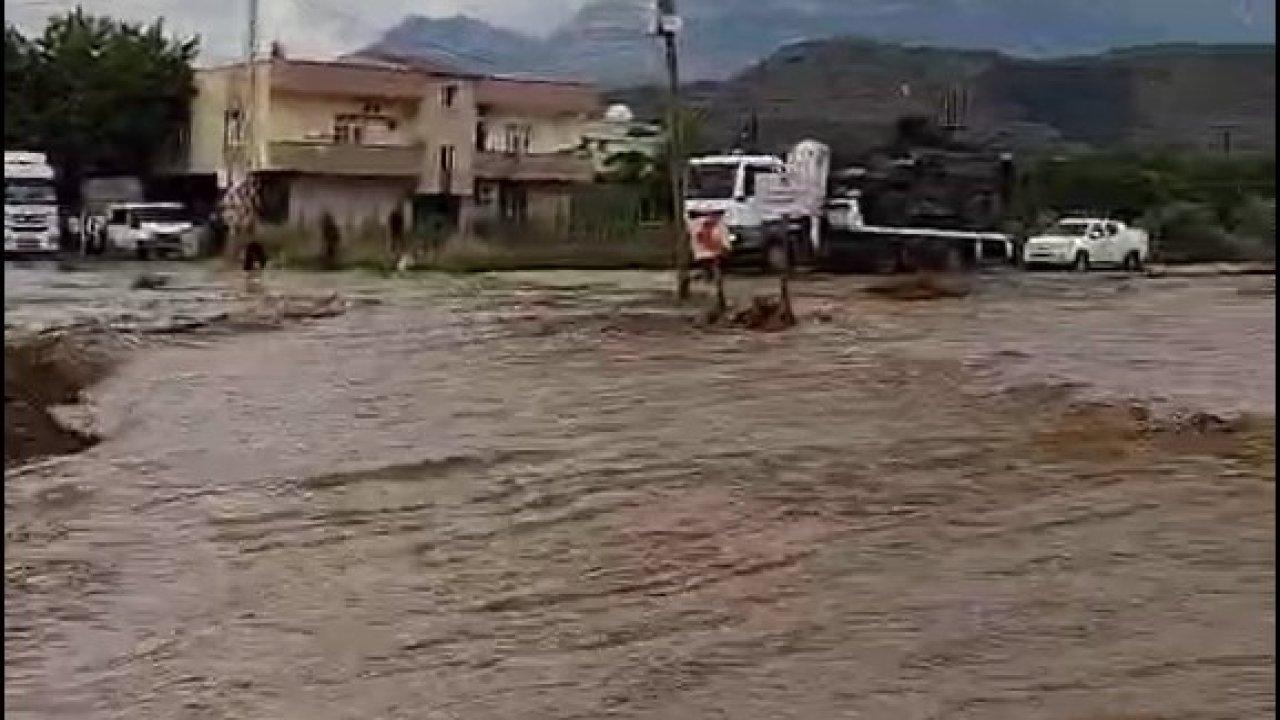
658,184
20,82
630,167
650,174
97,94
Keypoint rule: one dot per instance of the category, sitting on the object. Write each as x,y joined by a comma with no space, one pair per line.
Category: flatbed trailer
905,249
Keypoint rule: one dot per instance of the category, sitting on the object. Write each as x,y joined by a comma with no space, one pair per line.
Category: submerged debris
1102,430
150,281
41,372
765,314
922,287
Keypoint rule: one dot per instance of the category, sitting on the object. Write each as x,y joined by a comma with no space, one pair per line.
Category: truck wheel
1133,263
143,253
1081,264
887,261
775,257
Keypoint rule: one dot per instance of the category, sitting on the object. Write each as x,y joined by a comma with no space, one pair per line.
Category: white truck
147,229
768,204
772,206
1082,243
30,204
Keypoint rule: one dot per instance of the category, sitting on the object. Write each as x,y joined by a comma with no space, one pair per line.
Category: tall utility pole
238,115
669,29
239,151
251,107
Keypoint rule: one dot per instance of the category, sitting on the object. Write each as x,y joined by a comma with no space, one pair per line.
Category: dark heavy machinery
926,199
927,179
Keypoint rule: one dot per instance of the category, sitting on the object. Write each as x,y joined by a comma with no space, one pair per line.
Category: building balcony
516,167
327,158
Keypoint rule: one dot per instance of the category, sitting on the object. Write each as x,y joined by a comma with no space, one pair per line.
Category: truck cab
30,204
1086,242
146,229
772,207
729,185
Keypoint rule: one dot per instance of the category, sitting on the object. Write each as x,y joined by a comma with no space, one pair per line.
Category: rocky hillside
849,93
607,40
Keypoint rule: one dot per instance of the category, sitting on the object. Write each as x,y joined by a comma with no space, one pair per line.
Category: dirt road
548,496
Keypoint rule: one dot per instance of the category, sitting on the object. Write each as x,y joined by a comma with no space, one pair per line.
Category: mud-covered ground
551,496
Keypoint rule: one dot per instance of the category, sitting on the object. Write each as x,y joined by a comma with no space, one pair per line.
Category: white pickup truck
146,229
1083,243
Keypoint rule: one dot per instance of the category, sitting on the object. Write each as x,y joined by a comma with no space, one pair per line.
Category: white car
1084,243
146,229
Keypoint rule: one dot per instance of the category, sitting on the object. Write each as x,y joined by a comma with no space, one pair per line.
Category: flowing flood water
550,496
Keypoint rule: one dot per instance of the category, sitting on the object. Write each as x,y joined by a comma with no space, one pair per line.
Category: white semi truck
30,204
773,205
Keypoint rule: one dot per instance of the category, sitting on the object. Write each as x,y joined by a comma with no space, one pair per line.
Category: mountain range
609,41
849,93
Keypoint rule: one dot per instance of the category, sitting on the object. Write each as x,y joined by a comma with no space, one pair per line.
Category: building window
517,138
372,108
447,157
515,203
448,95
485,194
482,137
348,129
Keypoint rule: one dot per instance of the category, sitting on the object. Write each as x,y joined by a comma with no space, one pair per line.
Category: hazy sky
304,27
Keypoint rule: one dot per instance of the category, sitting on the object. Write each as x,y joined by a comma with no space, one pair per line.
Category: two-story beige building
359,138
528,147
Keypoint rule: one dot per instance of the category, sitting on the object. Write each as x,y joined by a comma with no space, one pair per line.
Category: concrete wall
353,202
455,126
549,206
214,87
258,131
207,112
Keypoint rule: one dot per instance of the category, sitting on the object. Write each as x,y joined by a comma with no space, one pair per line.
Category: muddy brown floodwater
547,496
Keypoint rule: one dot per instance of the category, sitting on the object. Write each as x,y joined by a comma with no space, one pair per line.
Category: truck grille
695,214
